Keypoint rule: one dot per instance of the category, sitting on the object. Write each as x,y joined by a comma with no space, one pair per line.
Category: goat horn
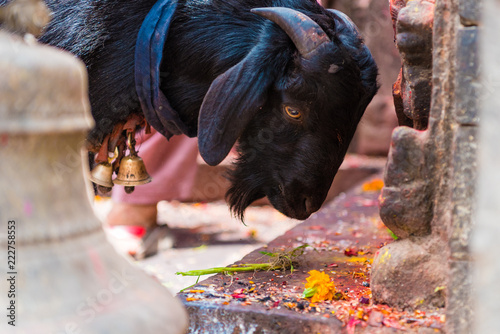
345,19
306,34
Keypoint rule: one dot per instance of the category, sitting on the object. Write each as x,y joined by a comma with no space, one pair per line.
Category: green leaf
395,237
300,248
309,292
268,254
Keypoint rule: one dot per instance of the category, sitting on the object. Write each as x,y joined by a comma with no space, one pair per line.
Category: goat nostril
282,191
308,205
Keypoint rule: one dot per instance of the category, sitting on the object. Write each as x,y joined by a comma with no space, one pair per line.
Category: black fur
229,73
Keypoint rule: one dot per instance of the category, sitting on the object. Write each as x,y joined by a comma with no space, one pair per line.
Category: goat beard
247,186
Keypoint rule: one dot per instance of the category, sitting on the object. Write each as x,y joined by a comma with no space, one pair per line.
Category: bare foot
133,214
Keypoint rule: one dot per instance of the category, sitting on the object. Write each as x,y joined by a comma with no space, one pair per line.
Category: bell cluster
131,171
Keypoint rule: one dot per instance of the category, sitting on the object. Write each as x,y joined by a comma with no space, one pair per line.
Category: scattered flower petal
319,287
374,185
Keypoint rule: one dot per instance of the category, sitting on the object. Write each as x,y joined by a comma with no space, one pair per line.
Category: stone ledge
210,318
344,236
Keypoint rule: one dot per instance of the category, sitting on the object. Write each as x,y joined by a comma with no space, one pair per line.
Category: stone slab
468,84
460,288
470,12
464,184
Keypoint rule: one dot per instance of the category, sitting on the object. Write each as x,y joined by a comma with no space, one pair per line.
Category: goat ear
229,105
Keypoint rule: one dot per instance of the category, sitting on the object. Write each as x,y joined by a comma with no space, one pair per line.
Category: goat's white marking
333,68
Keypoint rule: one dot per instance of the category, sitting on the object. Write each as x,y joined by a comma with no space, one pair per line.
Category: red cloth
171,164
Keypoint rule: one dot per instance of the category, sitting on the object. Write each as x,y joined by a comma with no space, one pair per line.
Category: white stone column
486,235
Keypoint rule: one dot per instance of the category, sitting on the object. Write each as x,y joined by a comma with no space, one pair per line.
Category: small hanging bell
132,173
101,175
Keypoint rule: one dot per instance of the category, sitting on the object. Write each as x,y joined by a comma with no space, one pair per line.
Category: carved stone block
406,199
395,268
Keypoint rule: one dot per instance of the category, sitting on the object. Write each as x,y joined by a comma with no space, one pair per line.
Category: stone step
343,238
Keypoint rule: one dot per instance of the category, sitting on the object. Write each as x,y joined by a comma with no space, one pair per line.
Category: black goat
289,80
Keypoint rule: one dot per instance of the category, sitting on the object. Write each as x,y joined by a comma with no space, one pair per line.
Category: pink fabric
171,164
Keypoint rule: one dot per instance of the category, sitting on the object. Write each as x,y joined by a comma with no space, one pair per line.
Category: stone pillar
428,199
465,122
486,234
63,275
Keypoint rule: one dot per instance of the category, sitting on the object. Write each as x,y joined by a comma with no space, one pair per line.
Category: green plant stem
216,270
284,261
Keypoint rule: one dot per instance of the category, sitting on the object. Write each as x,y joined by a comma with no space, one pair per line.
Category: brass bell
132,173
101,175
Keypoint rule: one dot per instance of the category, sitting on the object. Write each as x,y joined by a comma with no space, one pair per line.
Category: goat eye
293,113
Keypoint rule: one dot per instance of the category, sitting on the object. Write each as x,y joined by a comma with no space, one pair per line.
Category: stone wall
428,198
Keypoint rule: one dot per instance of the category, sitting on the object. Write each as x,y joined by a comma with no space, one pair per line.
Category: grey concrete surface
206,236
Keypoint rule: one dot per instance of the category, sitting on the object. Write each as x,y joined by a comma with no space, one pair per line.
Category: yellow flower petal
325,288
